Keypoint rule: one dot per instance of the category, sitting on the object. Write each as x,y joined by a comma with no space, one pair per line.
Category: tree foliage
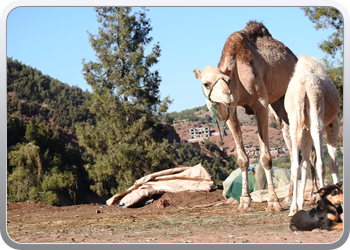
123,142
41,114
35,178
214,160
43,98
324,18
327,17
188,114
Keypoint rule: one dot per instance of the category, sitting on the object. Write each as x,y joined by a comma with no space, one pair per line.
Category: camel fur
312,103
259,70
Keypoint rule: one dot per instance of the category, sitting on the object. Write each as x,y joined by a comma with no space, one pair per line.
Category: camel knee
243,164
266,161
242,160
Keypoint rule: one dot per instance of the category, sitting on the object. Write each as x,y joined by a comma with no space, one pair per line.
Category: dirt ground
180,222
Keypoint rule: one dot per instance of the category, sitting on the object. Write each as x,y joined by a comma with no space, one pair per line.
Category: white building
199,132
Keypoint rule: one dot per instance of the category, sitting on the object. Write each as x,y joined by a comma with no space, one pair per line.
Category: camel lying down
312,103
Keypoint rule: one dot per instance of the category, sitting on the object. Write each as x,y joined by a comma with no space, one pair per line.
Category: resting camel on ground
312,103
254,71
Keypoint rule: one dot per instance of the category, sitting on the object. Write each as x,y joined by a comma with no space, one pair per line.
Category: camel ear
197,74
227,72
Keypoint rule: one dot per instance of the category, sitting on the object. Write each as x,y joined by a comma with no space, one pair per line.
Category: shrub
273,125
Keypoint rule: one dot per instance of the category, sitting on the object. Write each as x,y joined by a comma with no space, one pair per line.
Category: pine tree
126,100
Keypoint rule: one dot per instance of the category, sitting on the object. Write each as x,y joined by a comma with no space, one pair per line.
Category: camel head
215,85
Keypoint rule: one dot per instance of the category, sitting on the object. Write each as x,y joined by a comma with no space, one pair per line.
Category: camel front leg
280,115
261,113
243,162
286,135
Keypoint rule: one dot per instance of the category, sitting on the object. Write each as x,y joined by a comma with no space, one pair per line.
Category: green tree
125,99
324,18
273,125
168,119
327,17
25,181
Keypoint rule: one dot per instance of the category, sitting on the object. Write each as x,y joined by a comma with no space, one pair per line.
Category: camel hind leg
314,198
316,133
306,147
332,131
295,171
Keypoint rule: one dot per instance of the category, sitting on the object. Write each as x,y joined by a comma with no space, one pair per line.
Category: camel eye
206,85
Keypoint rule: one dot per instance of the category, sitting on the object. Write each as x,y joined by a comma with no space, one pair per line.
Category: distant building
285,150
199,132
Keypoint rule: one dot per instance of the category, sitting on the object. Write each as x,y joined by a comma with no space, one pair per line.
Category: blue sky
54,40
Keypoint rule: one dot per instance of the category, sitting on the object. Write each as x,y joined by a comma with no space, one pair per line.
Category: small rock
162,203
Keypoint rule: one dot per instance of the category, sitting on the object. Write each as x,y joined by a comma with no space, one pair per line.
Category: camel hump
256,29
236,43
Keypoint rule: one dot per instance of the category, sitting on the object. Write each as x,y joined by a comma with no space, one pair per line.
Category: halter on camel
213,106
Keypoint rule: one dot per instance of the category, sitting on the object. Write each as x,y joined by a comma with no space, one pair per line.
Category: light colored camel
254,71
312,103
286,135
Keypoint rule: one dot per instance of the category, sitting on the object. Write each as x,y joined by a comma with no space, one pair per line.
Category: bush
54,182
273,125
17,185
50,198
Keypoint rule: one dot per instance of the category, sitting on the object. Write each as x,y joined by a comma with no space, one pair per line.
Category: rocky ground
182,221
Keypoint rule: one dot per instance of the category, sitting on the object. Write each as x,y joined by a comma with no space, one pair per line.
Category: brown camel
312,103
254,71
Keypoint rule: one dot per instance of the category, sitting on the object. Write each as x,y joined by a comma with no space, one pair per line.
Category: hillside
249,131
45,162
278,148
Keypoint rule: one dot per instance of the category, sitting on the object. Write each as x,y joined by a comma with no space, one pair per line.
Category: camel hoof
274,208
274,205
243,210
293,209
286,203
291,213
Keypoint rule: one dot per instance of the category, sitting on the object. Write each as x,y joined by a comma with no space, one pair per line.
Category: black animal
328,214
